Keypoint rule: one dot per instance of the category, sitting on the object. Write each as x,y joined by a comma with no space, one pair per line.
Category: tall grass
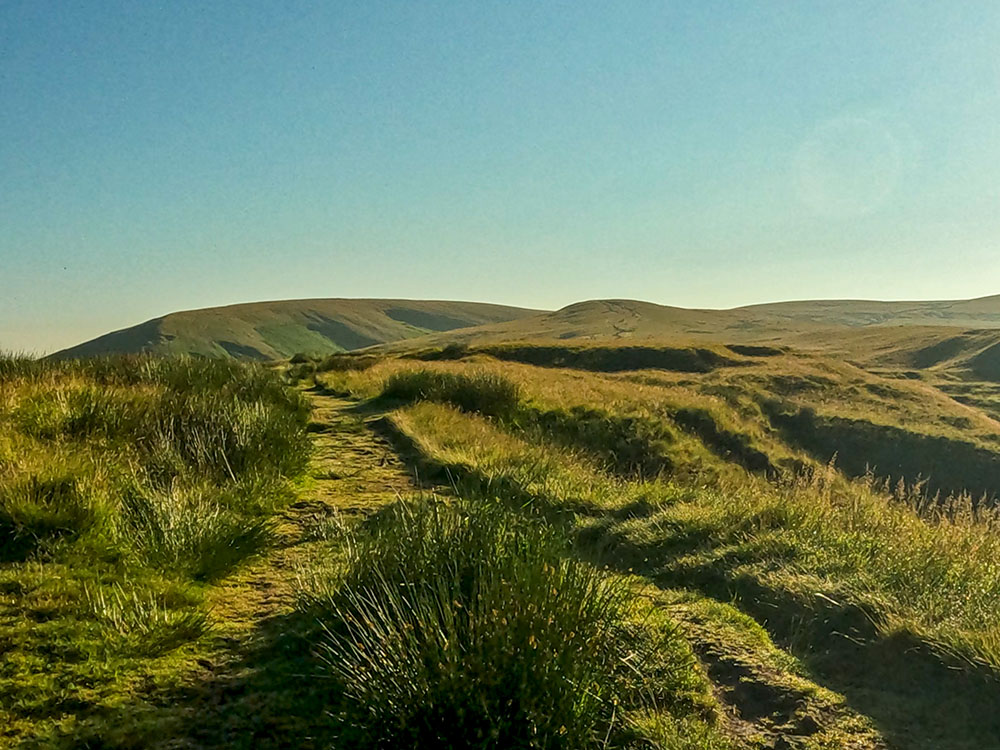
463,626
131,470
126,484
931,574
481,391
140,622
37,507
189,531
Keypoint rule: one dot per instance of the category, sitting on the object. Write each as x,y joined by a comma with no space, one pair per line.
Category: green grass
645,558
782,415
464,625
840,571
481,392
275,330
934,572
126,484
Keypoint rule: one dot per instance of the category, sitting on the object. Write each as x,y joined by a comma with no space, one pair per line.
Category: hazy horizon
531,154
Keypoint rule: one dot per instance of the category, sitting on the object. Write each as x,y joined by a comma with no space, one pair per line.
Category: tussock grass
36,507
480,391
465,625
616,358
189,531
140,622
931,571
632,446
125,484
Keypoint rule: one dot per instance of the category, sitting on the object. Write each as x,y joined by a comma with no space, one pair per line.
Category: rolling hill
778,322
956,336
272,330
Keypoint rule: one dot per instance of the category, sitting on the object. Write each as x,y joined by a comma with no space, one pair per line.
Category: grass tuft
141,622
458,626
482,392
187,530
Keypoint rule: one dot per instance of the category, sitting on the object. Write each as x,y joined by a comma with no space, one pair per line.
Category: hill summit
271,330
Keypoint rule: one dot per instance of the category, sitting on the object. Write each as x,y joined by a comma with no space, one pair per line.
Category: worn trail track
254,689
353,472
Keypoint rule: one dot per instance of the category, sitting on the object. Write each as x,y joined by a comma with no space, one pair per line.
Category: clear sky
164,156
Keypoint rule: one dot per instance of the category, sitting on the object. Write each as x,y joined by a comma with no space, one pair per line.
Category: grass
480,392
910,579
272,330
126,485
933,572
780,415
644,558
463,625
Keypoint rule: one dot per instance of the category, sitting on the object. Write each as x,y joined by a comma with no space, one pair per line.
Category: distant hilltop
275,330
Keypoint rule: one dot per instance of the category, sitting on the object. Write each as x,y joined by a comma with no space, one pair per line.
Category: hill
958,337
961,336
983,312
777,322
272,330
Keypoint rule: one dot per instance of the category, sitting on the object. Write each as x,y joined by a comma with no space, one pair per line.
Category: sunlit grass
466,624
125,484
928,569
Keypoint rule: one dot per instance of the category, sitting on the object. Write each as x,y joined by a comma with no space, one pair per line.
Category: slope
962,338
269,330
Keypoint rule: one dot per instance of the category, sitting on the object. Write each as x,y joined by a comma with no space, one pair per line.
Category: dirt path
256,685
353,472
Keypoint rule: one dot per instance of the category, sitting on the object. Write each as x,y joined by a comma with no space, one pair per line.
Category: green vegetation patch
940,465
468,625
125,484
482,392
616,358
890,604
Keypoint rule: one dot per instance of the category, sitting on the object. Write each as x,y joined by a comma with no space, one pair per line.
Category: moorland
613,525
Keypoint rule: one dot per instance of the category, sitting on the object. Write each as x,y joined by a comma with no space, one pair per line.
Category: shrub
483,392
466,627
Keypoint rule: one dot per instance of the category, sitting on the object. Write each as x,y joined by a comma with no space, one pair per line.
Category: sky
165,156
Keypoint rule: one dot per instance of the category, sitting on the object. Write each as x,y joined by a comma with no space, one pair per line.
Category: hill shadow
946,465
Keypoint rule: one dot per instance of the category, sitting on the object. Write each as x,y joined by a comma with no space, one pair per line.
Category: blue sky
156,157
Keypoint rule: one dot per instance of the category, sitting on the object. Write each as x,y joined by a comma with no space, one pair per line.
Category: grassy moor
713,463
583,541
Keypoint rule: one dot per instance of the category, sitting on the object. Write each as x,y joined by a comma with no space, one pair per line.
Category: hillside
791,507
956,336
271,330
983,312
779,322
960,337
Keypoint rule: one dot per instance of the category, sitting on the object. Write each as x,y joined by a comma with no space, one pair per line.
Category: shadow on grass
916,697
271,695
948,466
